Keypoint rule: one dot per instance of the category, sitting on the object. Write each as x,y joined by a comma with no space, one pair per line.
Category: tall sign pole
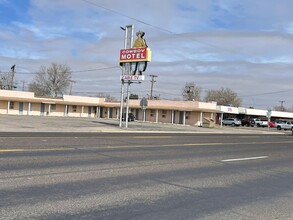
128,38
127,104
133,59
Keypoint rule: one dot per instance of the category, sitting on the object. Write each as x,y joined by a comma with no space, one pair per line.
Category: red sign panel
134,55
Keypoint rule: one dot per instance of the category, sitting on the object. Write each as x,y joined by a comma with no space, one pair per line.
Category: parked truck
258,123
283,124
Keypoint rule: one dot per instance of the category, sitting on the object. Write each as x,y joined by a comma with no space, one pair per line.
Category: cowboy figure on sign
139,43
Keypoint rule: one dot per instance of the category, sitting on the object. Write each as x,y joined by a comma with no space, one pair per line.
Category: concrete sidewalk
11,123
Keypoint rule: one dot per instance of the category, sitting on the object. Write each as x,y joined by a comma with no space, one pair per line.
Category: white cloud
213,43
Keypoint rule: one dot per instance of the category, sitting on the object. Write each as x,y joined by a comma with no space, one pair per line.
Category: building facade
158,111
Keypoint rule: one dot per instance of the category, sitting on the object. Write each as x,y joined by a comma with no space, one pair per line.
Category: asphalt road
145,176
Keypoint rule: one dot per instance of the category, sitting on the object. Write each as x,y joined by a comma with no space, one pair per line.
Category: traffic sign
143,102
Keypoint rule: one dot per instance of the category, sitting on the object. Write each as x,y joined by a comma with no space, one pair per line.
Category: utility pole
190,93
12,76
71,82
152,85
23,83
282,108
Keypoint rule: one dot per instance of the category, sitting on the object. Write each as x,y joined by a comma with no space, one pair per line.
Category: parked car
271,124
231,121
283,124
245,122
131,117
258,122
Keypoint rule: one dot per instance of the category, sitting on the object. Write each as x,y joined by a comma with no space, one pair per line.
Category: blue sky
243,45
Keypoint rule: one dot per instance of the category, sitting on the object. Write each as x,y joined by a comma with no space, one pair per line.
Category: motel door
42,108
181,115
137,114
21,108
89,111
101,112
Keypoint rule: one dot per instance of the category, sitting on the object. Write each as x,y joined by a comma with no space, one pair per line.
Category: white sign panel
132,78
228,109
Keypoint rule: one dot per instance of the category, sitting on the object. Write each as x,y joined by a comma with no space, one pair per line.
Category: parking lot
10,123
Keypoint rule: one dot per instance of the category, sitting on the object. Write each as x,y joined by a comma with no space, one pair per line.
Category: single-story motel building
159,111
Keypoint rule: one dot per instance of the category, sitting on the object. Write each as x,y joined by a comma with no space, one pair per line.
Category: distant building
159,111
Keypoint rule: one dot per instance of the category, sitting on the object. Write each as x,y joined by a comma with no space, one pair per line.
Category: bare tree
51,81
281,108
5,81
133,96
223,96
191,92
107,97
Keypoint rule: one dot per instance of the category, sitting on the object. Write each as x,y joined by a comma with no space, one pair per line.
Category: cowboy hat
140,32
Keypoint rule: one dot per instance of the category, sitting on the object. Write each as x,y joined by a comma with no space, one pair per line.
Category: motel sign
135,55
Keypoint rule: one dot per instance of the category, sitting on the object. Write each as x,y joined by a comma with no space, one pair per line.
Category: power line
98,69
269,93
160,28
123,15
75,71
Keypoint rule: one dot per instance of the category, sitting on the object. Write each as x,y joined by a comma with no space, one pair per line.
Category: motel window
164,113
74,108
11,105
152,113
53,107
187,114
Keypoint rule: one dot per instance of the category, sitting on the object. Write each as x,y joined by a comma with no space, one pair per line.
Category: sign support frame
128,38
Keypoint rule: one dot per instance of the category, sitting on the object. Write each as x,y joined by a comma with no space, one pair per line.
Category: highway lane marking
11,150
138,137
84,137
204,144
137,146
34,150
245,158
162,145
104,147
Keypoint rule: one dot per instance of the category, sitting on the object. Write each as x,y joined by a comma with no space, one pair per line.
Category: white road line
247,158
